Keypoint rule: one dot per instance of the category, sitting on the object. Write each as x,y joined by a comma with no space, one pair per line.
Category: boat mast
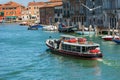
109,29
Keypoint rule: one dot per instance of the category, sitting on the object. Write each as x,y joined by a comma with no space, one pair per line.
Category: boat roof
68,36
85,44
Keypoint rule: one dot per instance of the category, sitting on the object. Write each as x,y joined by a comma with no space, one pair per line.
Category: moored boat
34,26
50,28
23,23
109,37
75,46
117,41
64,28
85,32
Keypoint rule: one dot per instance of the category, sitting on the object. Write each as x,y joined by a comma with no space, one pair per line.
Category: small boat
109,37
23,23
75,46
32,27
85,32
64,28
117,41
50,28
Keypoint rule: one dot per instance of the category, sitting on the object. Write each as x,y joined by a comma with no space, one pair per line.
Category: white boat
23,23
85,32
75,46
50,28
109,37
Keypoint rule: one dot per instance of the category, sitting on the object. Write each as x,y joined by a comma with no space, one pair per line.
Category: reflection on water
75,62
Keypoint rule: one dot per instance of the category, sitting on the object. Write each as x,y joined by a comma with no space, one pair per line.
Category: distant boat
34,26
109,37
23,23
75,46
86,31
50,28
64,28
117,41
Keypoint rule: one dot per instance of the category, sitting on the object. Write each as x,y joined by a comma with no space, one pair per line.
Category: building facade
58,13
25,15
11,10
94,17
51,12
111,12
33,8
73,12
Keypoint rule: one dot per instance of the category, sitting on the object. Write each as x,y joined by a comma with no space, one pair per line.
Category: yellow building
33,8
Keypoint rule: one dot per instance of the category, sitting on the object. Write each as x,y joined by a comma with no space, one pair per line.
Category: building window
29,7
58,14
56,19
3,8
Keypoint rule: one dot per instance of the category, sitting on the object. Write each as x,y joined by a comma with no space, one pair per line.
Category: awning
1,13
11,17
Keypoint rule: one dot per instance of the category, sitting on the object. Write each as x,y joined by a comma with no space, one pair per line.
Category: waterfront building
33,8
25,15
58,13
51,12
94,17
73,12
111,12
11,10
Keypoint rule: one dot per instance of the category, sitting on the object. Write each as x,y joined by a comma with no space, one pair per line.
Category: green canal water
24,56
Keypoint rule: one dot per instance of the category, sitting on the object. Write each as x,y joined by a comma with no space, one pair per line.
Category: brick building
73,12
48,12
11,10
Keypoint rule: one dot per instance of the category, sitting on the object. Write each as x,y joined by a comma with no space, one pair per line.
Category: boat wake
110,62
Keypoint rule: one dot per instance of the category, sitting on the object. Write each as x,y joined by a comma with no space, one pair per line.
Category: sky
23,2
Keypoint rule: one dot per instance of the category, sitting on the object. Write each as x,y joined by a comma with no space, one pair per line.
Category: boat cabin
79,48
78,44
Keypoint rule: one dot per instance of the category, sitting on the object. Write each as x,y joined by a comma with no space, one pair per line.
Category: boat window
83,49
63,46
73,48
68,47
78,49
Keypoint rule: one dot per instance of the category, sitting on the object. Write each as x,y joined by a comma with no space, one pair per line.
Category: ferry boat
75,46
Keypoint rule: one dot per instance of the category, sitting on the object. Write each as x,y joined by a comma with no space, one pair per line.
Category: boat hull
85,32
32,28
76,55
108,39
116,41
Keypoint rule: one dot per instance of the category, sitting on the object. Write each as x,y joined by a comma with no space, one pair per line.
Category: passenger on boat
58,43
